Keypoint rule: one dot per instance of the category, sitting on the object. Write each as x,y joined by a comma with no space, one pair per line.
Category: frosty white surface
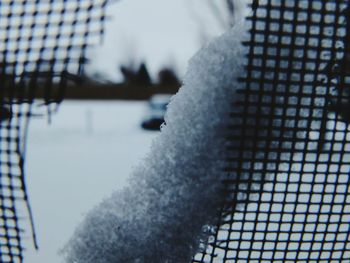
71,166
176,190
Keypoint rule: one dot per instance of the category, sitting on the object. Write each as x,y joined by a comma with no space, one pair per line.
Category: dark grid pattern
288,196
42,48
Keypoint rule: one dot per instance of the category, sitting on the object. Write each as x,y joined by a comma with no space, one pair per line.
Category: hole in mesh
259,236
6,258
4,242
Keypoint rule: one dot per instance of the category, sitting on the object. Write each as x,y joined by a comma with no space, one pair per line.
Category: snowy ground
87,151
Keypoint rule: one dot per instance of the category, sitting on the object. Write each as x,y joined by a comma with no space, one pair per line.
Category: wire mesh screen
42,49
288,196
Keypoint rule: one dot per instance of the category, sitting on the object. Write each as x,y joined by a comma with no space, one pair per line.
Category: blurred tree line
222,13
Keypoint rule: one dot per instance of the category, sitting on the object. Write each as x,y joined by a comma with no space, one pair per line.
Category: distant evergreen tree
143,76
134,77
168,77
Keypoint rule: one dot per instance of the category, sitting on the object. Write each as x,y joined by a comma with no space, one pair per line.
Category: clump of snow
177,189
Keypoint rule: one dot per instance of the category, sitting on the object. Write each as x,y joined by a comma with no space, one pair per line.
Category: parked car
157,106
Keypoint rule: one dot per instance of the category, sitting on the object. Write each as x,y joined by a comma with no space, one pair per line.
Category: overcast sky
158,32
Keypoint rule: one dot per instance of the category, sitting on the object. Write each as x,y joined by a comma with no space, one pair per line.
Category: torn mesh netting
42,49
177,188
286,198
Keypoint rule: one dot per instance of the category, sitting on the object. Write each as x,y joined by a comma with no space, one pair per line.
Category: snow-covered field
72,164
87,152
